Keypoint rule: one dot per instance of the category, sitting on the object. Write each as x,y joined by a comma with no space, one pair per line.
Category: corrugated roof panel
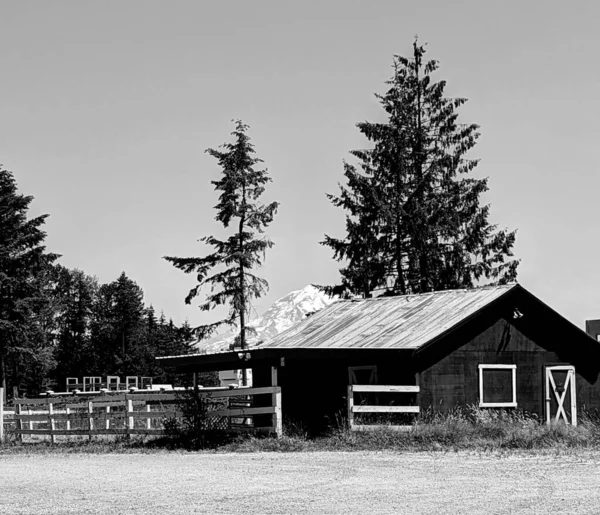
403,322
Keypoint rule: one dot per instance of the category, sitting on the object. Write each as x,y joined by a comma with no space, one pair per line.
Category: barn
493,347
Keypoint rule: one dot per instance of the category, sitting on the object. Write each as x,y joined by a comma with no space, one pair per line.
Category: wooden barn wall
454,380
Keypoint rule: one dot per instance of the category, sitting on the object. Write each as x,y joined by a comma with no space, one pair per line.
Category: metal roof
403,322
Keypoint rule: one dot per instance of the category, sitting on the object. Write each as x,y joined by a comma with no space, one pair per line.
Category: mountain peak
281,315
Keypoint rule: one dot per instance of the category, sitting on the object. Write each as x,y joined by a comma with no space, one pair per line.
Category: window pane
497,385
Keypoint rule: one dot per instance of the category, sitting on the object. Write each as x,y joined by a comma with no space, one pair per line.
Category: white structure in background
282,315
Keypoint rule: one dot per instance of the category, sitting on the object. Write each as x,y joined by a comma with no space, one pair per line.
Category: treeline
81,327
57,323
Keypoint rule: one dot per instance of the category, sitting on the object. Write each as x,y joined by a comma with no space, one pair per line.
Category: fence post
91,419
278,422
19,422
68,410
350,407
130,423
51,419
149,420
1,414
107,417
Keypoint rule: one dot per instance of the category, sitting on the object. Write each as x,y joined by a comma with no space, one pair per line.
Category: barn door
561,401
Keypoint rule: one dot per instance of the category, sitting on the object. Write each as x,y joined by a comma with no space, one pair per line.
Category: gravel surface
320,482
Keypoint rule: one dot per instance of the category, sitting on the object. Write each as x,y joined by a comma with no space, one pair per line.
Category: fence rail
377,408
142,412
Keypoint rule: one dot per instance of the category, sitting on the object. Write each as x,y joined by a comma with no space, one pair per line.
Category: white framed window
497,386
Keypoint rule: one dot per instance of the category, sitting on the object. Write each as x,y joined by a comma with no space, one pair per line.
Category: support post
130,422
148,420
91,418
19,422
107,417
276,401
1,415
51,420
350,407
68,410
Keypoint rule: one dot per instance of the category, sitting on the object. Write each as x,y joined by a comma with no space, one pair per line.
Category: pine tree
412,204
233,261
23,259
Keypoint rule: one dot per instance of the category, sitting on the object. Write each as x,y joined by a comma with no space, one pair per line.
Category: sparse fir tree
415,222
229,271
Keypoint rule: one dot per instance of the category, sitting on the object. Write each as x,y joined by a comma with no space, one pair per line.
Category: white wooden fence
372,408
142,412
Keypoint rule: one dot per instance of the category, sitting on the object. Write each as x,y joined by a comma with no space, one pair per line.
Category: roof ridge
436,292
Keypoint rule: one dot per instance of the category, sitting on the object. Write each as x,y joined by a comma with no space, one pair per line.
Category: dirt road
336,483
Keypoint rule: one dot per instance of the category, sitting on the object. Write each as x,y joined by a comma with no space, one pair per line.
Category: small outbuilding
493,347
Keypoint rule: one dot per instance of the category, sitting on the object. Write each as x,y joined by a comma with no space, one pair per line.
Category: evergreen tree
75,296
23,259
415,221
233,261
117,328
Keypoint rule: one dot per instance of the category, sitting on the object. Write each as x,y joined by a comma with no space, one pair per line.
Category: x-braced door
561,400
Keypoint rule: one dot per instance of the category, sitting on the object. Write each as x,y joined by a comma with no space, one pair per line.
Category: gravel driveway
320,482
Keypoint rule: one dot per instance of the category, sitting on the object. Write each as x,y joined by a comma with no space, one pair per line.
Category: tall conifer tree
23,261
414,203
229,269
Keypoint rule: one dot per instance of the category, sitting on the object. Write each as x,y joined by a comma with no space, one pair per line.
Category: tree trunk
242,285
3,376
420,200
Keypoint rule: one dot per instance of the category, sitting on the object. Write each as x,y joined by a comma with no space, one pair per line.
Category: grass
469,429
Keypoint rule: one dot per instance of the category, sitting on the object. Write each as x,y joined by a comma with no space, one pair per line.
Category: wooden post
51,419
148,420
573,398
277,415
350,407
91,419
68,421
1,414
276,401
107,419
19,422
130,422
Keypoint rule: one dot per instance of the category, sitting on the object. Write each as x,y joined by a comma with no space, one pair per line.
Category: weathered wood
51,419
380,427
97,412
91,419
19,422
102,416
130,419
242,412
1,414
277,418
385,388
350,407
386,409
86,432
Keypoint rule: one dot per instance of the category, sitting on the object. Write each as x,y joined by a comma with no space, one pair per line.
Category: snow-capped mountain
282,314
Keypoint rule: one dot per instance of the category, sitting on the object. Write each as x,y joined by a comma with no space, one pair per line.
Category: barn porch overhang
250,358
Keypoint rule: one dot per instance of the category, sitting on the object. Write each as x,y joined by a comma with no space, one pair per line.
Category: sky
106,109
